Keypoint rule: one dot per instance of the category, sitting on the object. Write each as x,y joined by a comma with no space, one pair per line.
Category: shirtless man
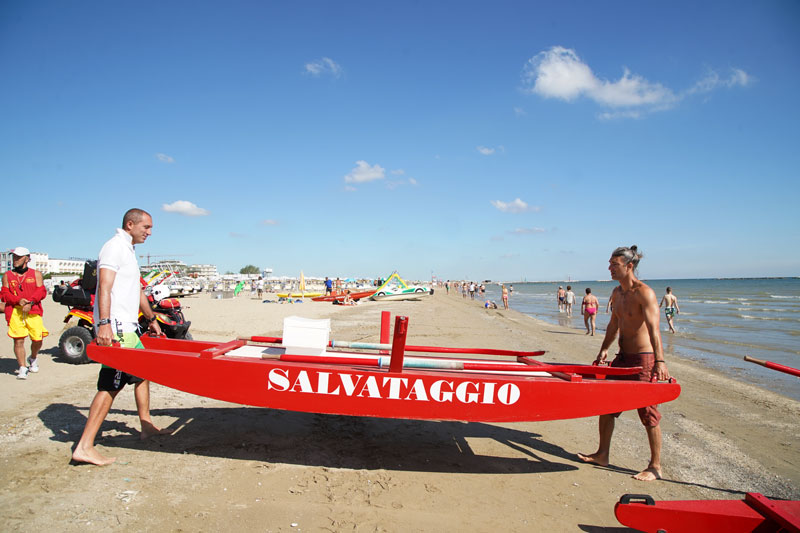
561,296
670,304
589,308
635,317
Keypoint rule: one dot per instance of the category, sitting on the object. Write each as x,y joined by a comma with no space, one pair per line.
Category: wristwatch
104,322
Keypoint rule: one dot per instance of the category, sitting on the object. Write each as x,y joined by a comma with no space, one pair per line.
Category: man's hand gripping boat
259,371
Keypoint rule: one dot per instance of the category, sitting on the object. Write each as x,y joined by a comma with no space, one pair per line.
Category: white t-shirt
570,297
118,255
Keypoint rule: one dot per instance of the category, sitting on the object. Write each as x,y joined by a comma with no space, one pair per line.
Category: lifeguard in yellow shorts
23,291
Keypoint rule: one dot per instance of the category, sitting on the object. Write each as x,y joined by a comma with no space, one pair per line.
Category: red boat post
399,343
386,317
773,366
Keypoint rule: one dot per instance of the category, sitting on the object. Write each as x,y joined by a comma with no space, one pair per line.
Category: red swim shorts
648,415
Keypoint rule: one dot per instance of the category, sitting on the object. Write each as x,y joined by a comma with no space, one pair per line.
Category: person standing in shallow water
635,317
589,307
670,304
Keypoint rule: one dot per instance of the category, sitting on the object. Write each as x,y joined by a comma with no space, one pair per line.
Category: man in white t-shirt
118,300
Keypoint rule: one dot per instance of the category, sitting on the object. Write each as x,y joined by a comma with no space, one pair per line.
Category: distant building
66,266
203,271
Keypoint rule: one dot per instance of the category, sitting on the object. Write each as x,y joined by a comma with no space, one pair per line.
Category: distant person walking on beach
670,304
118,300
260,287
561,297
328,286
589,307
635,318
23,291
569,300
505,297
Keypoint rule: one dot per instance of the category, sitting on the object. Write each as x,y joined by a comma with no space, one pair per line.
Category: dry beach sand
229,467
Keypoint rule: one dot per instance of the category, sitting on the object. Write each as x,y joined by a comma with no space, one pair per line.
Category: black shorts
111,380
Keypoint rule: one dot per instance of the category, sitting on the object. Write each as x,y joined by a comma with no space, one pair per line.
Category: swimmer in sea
670,304
589,307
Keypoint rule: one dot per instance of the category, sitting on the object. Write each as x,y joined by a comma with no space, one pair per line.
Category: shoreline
252,469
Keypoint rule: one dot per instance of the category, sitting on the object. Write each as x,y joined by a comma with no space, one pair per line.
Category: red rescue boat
755,513
340,297
373,383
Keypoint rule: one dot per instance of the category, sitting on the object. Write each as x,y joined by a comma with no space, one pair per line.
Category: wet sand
248,469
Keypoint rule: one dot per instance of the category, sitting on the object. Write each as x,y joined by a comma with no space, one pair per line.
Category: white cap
19,251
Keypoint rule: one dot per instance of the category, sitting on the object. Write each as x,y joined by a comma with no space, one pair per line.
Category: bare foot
150,430
91,456
649,474
593,459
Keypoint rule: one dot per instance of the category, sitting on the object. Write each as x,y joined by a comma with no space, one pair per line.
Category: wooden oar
444,364
773,366
408,348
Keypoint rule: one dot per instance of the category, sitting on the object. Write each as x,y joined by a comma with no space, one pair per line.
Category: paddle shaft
408,348
444,364
773,366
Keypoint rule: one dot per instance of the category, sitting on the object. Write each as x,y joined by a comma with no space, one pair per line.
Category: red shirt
23,286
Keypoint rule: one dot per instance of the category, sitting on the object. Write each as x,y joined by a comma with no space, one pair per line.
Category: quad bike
79,298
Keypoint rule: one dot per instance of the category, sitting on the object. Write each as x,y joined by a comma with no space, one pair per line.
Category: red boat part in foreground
755,513
424,388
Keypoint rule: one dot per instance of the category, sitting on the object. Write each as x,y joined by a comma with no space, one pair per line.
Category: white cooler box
306,336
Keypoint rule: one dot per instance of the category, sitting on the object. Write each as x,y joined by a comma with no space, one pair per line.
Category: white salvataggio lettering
418,390
322,384
438,395
394,386
467,397
347,382
301,381
508,393
371,386
278,379
488,392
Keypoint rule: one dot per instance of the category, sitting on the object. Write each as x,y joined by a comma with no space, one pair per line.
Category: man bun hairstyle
133,215
630,255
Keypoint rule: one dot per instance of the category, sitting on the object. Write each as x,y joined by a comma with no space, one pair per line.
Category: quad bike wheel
73,345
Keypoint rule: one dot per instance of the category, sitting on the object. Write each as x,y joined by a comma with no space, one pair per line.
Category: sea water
721,321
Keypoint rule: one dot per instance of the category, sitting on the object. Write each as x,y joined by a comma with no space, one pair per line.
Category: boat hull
400,296
366,391
340,297
754,513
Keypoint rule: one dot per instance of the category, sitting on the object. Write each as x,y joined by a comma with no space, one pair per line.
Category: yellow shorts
31,326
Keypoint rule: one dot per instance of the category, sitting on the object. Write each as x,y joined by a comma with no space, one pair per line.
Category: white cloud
484,150
560,73
398,172
520,112
412,181
182,207
164,158
363,173
516,206
713,80
527,231
349,188
269,222
324,66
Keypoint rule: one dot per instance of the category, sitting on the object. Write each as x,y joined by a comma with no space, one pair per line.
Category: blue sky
502,140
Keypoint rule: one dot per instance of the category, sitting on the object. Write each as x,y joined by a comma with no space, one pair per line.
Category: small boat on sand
379,380
755,512
340,297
